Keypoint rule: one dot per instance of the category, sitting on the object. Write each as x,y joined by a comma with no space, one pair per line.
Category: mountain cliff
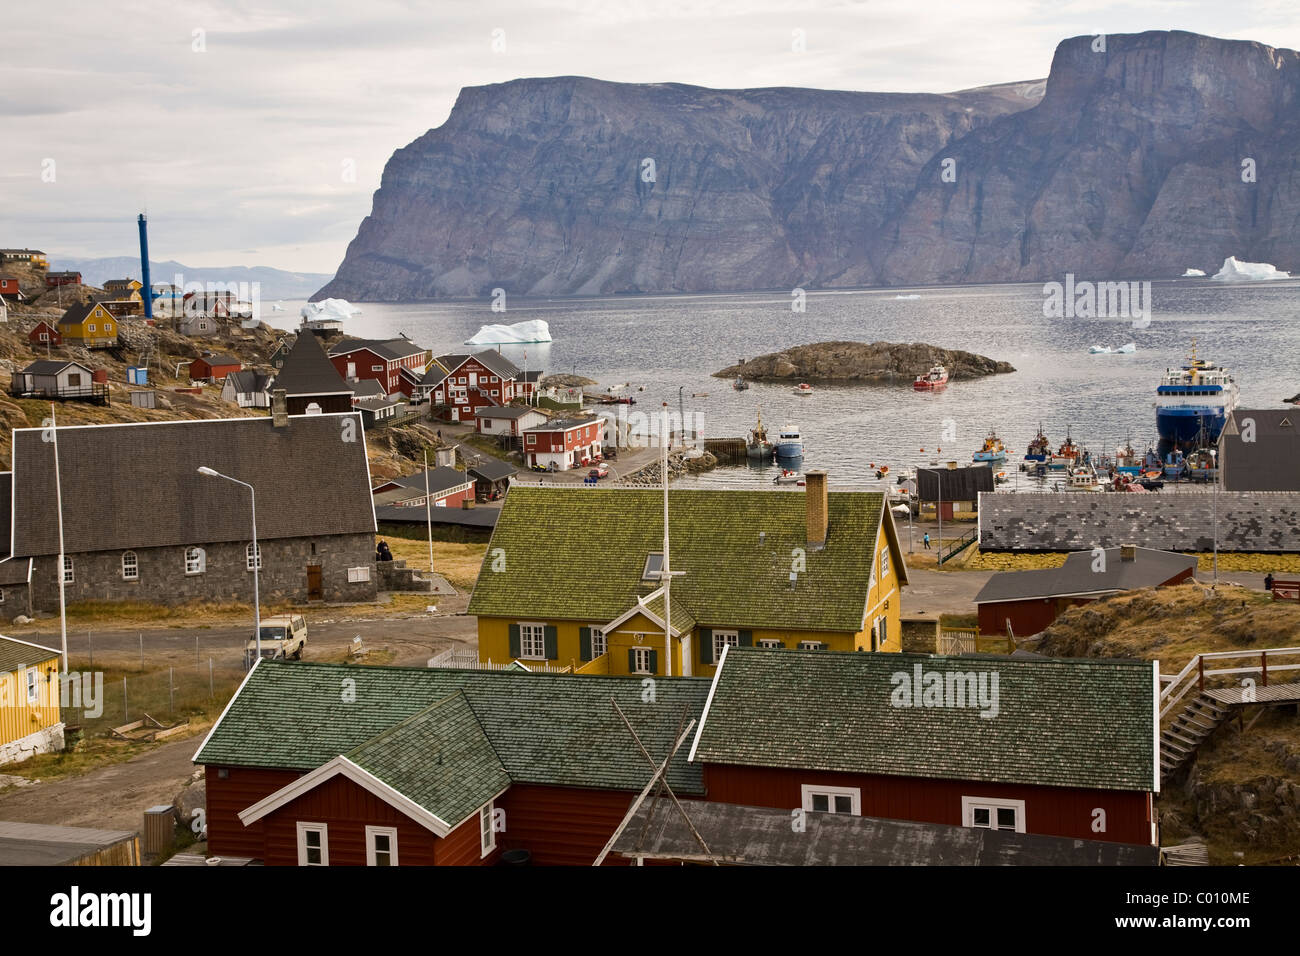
1127,161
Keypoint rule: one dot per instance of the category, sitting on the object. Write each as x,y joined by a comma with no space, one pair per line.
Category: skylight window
654,563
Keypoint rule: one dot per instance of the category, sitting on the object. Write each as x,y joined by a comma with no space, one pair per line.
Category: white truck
283,636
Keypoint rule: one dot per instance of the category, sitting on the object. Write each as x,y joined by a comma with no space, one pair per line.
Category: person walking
927,541
1268,582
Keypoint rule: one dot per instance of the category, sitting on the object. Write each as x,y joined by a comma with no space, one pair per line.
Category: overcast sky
233,124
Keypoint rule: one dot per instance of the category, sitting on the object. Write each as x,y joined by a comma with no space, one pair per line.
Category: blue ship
1193,402
789,443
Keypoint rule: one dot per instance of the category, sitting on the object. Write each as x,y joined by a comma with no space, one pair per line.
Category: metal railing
950,551
461,659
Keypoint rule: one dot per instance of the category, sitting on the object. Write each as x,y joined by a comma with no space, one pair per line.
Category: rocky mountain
274,283
862,362
1141,155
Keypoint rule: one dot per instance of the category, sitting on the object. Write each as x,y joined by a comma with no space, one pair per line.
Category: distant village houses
458,385
9,289
213,367
310,381
55,279
44,335
62,380
89,325
248,388
396,364
32,257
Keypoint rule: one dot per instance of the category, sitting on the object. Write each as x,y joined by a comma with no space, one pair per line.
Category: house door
314,590
473,379
352,370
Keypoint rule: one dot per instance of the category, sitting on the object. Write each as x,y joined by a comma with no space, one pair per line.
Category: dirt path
113,797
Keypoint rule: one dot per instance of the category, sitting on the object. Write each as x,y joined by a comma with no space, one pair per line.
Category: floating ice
534,330
1127,348
907,297
1234,271
336,309
277,307
1191,273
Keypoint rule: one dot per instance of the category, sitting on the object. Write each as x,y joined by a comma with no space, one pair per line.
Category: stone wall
97,576
1260,521
44,741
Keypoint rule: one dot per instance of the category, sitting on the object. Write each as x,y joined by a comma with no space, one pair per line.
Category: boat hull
788,449
1187,423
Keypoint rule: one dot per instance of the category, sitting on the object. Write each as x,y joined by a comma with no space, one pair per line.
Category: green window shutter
706,645
631,660
654,661
584,643
551,637
515,646
746,638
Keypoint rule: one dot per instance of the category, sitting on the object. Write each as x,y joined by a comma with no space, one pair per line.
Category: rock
1115,166
23,618
193,797
867,362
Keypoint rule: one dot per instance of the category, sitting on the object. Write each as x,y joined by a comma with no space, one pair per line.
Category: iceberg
1234,271
907,297
1191,273
1101,350
329,309
534,330
1127,349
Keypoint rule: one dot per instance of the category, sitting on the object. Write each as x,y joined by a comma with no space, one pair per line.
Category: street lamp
257,556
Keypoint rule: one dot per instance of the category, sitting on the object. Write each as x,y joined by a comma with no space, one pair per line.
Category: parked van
284,636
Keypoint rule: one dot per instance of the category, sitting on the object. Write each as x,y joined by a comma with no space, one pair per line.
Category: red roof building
396,364
564,443
44,334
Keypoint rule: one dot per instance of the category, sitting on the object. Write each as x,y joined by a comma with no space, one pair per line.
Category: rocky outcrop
1141,156
876,363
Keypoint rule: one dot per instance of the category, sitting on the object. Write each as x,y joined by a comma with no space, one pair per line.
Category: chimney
1128,552
952,466
815,497
279,409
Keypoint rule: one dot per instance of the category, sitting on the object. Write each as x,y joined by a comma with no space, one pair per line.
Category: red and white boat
937,377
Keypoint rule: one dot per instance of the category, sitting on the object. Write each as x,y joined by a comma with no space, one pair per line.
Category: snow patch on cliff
1234,271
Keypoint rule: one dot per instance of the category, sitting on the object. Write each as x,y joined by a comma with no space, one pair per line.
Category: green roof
554,729
579,554
15,655
1070,723
440,758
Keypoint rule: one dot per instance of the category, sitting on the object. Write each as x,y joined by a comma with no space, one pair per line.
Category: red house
447,488
213,368
1027,602
1063,748
564,443
44,334
539,763
397,364
462,384
9,287
53,279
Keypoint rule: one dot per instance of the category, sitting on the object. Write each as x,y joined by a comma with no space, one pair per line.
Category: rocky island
872,363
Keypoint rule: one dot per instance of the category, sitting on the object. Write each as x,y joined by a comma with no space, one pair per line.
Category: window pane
843,804
981,816
1006,818
821,802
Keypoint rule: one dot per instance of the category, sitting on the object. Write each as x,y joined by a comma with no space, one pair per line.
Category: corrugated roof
1083,573
955,484
15,654
1068,723
733,578
149,473
307,370
553,729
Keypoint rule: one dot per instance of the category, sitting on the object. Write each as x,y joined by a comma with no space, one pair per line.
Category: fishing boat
803,388
1040,449
789,443
1084,478
993,449
1001,478
1127,462
937,377
739,384
788,477
758,448
1175,464
1193,402
1066,454
882,471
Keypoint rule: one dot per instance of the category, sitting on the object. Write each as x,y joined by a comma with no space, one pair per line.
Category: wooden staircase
1200,718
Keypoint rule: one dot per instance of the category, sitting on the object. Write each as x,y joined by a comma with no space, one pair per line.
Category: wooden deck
38,844
1272,694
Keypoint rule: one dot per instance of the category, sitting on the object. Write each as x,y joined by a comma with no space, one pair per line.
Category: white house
248,388
512,420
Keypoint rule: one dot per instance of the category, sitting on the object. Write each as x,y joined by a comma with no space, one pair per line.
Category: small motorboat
803,388
739,384
992,451
1001,478
788,477
882,471
937,377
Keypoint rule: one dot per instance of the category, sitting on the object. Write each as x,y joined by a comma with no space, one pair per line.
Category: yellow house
29,700
91,326
573,577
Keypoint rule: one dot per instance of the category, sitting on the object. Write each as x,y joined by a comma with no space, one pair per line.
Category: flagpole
58,499
667,566
428,509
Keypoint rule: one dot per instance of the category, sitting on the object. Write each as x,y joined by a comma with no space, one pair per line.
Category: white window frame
131,569
487,834
884,562
970,804
196,564
358,575
33,685
812,645
372,851
253,556
641,660
771,643
531,626
599,642
808,790
324,831
722,639
646,573
69,575
90,327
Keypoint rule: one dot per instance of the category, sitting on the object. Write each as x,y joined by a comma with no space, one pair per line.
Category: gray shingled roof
763,836
1248,521
1067,723
49,367
1148,569
149,474
394,349
15,571
956,484
554,729
367,388
440,479
307,370
506,411
488,358
492,469
16,654
250,380
1270,460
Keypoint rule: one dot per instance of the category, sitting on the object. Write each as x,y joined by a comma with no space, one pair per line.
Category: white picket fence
461,659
